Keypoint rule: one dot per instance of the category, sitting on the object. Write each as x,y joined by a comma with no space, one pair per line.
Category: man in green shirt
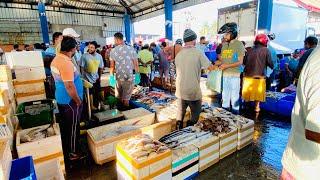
145,58
232,54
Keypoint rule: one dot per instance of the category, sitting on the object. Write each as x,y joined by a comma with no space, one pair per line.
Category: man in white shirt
301,159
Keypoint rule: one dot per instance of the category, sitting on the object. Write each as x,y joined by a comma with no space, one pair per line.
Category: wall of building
19,23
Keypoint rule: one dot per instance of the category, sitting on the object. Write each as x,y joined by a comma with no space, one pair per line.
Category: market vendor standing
69,95
123,60
164,58
232,54
301,158
91,67
256,62
189,63
145,57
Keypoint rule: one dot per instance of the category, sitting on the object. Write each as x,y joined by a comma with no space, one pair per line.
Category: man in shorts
123,60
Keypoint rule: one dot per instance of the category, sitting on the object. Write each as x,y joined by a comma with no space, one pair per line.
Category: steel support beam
127,27
168,8
265,14
43,23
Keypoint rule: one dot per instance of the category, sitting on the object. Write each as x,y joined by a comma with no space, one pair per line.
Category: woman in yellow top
145,57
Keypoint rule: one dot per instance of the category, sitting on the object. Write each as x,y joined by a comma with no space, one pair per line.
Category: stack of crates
7,105
29,75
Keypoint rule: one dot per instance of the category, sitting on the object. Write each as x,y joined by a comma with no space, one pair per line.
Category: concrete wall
21,25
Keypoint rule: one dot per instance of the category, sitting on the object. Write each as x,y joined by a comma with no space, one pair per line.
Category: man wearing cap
189,63
91,64
69,95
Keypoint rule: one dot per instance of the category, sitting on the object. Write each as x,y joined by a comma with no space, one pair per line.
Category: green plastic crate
35,113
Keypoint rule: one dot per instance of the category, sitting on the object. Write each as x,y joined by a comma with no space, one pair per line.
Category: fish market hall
161,89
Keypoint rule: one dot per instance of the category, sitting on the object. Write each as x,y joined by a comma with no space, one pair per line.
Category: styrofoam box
155,167
42,150
8,86
5,73
31,98
33,88
24,59
228,143
4,97
139,114
5,160
6,135
49,170
104,150
29,73
185,162
208,151
245,134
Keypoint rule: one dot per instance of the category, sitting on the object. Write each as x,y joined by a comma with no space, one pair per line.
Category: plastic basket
35,113
23,168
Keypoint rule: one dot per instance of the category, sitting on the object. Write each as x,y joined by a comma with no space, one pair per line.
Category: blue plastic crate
284,107
23,169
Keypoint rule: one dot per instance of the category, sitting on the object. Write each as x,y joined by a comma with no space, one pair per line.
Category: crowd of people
245,76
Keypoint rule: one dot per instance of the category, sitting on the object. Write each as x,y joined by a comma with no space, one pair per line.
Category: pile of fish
155,99
215,125
37,134
115,132
184,137
234,120
139,92
275,95
142,147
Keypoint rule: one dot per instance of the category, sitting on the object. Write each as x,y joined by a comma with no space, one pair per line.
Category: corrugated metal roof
136,8
114,6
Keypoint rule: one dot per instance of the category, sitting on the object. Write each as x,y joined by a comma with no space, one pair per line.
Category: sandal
74,156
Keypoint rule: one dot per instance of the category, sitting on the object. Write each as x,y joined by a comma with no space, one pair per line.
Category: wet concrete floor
261,160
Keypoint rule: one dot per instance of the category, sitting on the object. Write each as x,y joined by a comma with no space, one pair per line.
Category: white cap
70,32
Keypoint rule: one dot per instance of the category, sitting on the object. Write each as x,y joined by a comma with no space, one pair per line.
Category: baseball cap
70,32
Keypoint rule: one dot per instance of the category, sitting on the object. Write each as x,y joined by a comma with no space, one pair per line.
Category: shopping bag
112,81
137,79
214,80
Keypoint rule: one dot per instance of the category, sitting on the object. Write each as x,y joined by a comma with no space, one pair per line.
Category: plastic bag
137,79
214,80
112,81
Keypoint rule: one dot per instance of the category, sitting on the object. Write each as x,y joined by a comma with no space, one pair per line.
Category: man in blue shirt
69,95
91,64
